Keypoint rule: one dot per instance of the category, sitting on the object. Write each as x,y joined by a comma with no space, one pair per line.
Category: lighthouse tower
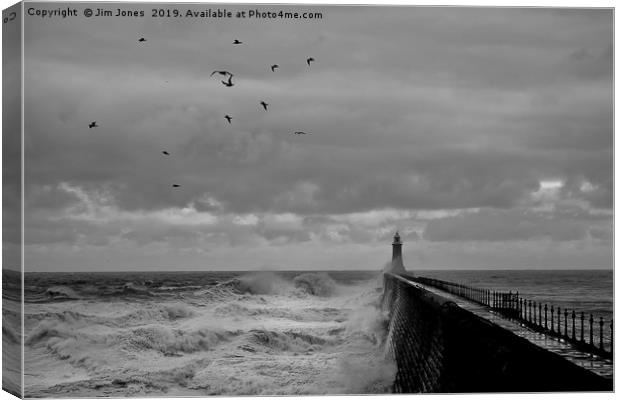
397,256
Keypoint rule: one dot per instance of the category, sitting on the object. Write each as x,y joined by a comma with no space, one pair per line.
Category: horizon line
320,270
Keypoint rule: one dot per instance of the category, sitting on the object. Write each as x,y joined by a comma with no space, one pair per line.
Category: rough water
210,333
11,341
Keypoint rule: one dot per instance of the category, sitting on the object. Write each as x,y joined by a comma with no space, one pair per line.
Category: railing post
566,322
546,317
540,314
611,331
529,306
552,319
601,332
591,330
559,320
582,317
528,311
515,301
573,315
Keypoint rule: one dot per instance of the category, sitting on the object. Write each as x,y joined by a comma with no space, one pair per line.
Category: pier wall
442,348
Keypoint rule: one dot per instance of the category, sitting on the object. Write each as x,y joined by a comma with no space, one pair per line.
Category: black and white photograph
228,199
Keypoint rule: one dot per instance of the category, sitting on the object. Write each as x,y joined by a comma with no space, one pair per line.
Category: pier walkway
588,361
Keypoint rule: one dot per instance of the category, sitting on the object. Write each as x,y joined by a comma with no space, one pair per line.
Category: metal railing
585,332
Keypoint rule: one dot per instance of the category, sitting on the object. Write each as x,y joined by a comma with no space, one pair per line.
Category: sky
483,135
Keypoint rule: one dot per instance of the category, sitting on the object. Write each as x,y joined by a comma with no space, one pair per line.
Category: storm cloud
454,125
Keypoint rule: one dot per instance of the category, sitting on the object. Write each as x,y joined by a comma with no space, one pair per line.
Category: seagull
221,73
274,66
142,39
309,60
237,42
93,125
175,185
228,117
229,83
262,103
166,153
300,133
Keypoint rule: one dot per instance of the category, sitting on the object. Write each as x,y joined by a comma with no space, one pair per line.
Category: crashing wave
287,341
136,289
316,284
173,341
61,292
257,283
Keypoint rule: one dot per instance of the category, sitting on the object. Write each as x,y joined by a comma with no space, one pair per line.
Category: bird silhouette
93,125
221,73
274,66
309,60
300,133
166,153
142,39
262,103
175,185
228,117
229,83
237,41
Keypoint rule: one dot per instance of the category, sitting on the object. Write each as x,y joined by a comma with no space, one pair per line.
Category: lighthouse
397,256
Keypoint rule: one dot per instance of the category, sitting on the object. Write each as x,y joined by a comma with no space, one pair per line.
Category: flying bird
93,125
221,73
237,42
300,133
228,117
166,153
142,39
274,66
309,60
175,185
229,83
262,103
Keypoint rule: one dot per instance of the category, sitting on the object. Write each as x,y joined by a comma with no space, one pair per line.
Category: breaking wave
287,341
173,341
166,312
61,292
316,284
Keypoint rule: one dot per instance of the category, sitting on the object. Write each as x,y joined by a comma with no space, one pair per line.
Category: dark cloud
501,226
410,108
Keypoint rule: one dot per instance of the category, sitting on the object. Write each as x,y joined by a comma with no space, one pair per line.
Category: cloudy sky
485,136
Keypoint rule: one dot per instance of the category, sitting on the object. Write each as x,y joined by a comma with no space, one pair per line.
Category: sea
232,333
